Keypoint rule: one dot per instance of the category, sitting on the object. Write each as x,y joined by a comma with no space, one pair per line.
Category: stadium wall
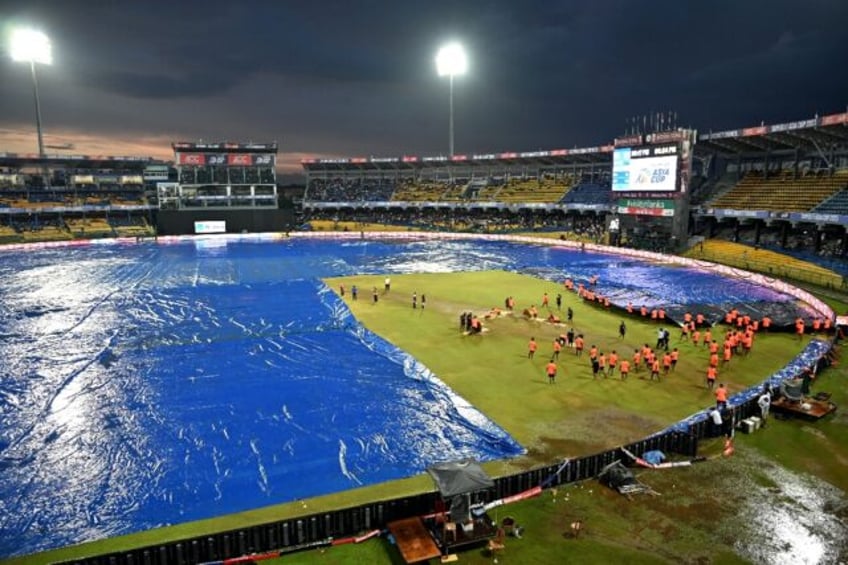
181,222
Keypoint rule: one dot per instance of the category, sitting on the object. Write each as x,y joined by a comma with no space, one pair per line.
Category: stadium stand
89,227
545,189
781,192
410,190
588,192
836,204
350,190
764,261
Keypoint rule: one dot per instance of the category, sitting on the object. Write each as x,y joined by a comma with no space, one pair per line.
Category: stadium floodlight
451,61
31,46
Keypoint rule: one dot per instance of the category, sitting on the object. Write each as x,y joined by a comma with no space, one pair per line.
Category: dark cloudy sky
357,78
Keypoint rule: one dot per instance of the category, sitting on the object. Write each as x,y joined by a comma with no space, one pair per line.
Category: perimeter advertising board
646,207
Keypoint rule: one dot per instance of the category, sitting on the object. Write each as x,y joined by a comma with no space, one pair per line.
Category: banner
264,159
628,141
191,159
646,207
239,159
834,119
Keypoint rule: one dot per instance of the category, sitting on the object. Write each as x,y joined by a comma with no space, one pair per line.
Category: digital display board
645,169
210,226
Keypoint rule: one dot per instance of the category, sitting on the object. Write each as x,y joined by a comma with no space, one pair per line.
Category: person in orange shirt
766,323
816,325
687,317
655,369
712,373
721,397
643,311
654,314
625,369
699,319
551,369
714,360
593,352
662,314
696,337
545,300
728,353
578,345
827,324
637,358
557,349
613,362
602,364
799,328
666,361
532,347
684,331
629,307
675,355
708,337
728,318
713,347
747,343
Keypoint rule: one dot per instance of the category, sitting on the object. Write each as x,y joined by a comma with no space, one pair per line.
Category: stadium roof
820,132
815,133
564,157
21,160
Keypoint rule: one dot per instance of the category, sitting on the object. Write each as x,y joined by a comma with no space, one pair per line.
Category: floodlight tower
31,46
451,61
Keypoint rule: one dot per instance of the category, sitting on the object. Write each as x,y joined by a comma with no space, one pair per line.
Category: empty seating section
545,189
838,203
350,190
764,261
431,190
588,192
131,226
89,227
781,191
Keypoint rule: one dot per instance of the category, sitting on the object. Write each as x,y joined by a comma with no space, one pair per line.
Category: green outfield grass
700,515
576,416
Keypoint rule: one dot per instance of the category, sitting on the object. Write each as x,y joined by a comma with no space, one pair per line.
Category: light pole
451,61
32,46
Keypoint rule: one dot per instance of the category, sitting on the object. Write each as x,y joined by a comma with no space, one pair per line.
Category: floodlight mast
33,47
451,61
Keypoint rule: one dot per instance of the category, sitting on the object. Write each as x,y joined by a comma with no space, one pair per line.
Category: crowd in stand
350,190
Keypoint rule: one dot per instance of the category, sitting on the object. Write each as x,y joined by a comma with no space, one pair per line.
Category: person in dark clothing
462,321
622,329
559,301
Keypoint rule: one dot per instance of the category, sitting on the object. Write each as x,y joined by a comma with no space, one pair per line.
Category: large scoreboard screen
650,168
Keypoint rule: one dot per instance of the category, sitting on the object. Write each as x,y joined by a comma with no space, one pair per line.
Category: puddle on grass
800,521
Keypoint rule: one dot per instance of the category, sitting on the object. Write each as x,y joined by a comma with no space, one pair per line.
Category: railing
308,531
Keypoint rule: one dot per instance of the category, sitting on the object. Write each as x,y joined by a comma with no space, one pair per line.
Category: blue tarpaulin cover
147,385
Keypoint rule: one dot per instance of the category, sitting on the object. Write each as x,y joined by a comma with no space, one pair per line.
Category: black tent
617,476
457,478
